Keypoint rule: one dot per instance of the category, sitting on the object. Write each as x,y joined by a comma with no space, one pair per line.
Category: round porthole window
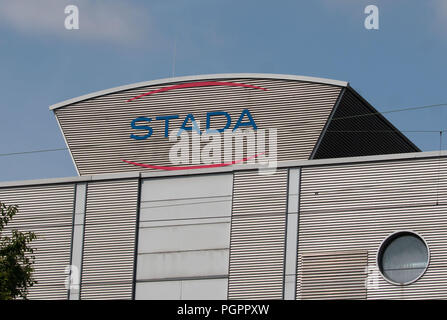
403,257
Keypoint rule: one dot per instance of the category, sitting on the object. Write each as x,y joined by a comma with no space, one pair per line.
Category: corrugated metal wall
98,130
47,211
356,206
109,240
333,275
257,243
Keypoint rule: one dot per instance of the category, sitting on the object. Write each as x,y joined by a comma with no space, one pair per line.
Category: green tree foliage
16,258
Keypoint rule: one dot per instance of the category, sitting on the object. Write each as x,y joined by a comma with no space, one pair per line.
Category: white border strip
240,167
68,147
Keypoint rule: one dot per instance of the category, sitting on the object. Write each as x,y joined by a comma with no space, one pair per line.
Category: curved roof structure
166,81
315,118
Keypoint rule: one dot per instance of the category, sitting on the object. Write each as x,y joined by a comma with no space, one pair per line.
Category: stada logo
190,124
142,124
221,146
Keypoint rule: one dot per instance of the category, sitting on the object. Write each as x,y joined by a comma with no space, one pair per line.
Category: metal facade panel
258,227
184,236
357,206
109,240
186,289
98,130
48,212
336,275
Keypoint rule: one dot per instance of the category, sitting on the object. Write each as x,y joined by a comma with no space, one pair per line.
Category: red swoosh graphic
192,167
198,84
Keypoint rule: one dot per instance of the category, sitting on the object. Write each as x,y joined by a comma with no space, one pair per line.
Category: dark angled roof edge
382,118
328,122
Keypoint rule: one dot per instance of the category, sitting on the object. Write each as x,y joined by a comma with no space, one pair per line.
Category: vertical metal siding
109,240
98,130
356,206
48,212
257,244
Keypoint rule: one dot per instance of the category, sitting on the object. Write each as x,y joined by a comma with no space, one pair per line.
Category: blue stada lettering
189,124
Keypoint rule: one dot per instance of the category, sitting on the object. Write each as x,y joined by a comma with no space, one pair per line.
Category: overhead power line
33,151
392,111
333,131
340,131
387,131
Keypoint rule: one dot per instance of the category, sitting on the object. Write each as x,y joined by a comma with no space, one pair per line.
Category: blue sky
403,64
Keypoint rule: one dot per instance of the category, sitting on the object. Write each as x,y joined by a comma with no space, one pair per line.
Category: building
353,210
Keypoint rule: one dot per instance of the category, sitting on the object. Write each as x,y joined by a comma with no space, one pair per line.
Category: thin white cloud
110,21
340,3
441,9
